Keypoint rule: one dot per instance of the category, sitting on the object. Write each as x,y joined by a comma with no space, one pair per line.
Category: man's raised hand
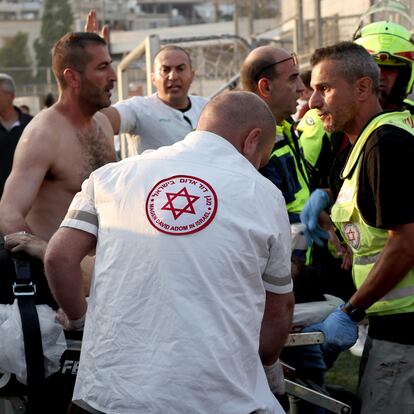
91,25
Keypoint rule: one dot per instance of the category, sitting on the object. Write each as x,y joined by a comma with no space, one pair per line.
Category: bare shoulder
42,134
104,123
43,123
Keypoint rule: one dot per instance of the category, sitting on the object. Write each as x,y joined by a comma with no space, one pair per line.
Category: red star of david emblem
176,211
350,234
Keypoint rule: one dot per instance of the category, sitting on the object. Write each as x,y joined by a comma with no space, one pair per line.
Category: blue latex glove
340,331
317,202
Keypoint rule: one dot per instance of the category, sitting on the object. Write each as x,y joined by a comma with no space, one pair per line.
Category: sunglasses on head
292,56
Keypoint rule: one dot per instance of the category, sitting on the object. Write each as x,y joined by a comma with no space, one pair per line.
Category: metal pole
250,17
216,11
299,25
151,43
103,12
152,46
49,79
236,18
318,24
295,36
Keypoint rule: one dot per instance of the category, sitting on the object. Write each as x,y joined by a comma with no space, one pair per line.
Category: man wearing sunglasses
273,74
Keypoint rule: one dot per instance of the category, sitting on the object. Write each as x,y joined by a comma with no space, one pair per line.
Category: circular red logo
181,204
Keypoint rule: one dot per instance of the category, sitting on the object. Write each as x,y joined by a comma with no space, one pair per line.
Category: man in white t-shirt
168,115
192,292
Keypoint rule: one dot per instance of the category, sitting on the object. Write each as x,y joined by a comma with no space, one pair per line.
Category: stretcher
311,393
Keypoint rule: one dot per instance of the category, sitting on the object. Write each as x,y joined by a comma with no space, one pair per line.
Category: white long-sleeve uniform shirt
189,237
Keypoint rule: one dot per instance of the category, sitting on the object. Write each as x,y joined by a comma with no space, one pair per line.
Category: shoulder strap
24,291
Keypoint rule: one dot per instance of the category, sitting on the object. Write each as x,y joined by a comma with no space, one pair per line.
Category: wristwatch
354,313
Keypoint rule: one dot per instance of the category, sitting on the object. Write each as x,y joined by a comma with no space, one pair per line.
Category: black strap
24,290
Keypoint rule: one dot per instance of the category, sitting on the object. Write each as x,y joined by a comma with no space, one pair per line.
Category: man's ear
363,87
264,87
251,144
72,77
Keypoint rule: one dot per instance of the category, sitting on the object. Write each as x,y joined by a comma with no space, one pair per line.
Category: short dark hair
355,62
70,52
306,78
175,47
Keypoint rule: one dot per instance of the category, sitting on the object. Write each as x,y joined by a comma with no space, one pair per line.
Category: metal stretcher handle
317,398
306,338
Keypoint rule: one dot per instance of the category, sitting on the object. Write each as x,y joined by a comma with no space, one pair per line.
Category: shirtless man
61,147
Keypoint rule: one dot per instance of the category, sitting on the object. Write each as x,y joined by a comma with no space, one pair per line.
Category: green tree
15,54
56,21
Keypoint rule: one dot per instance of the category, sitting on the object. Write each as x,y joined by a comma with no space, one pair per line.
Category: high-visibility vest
366,241
311,136
287,158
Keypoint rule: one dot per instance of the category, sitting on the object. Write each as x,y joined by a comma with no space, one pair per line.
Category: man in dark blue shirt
12,123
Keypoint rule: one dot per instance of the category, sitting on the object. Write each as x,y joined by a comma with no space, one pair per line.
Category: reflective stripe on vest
399,293
366,241
364,260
